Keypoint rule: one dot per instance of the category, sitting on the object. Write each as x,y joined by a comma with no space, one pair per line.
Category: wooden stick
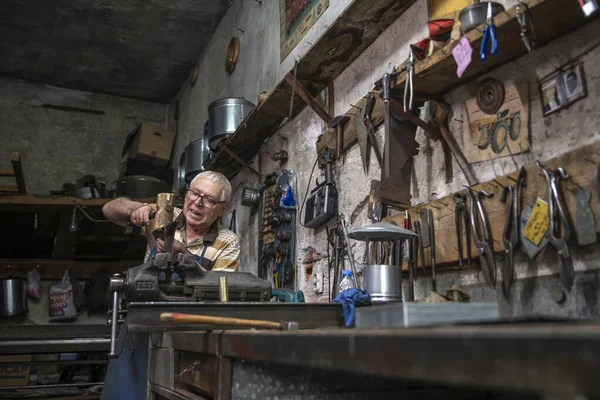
210,320
310,101
15,158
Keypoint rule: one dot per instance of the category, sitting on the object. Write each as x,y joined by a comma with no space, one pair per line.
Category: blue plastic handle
484,42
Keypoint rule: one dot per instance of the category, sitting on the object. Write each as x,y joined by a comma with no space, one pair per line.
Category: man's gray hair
219,178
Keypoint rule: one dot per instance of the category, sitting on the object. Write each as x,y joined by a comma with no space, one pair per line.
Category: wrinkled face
198,215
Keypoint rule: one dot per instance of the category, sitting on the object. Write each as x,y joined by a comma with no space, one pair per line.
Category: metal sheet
145,317
424,314
174,395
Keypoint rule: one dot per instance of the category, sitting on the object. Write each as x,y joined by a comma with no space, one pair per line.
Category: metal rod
113,325
352,266
56,362
223,289
59,385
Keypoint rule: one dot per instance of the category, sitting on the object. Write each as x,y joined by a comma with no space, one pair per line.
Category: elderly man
199,233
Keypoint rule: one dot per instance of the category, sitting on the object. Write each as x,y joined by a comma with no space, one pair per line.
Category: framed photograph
562,88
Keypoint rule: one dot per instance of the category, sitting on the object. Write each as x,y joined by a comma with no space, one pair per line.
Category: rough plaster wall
549,138
60,146
258,68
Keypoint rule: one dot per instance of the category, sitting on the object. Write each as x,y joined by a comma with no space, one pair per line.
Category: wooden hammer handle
225,321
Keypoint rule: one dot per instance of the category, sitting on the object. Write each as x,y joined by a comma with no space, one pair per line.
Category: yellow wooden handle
224,321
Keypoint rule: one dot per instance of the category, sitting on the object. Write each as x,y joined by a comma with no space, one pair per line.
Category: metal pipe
223,289
350,256
113,325
59,385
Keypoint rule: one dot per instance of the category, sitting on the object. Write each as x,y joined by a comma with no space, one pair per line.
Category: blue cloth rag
349,298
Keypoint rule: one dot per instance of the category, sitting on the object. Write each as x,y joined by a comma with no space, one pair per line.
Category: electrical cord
307,188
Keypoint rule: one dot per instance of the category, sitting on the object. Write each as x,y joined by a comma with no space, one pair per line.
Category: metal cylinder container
196,154
383,283
13,297
140,187
225,115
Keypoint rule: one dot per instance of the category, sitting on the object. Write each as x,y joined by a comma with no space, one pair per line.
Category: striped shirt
217,250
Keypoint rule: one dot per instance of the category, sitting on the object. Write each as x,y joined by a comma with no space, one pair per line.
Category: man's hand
178,247
141,215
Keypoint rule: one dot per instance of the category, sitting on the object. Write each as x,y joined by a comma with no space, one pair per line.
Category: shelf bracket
310,101
239,160
431,131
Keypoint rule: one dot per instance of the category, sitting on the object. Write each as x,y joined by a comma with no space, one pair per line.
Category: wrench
482,239
565,263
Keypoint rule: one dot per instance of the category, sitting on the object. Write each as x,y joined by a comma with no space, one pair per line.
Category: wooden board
351,33
54,269
487,137
581,164
436,75
42,200
295,20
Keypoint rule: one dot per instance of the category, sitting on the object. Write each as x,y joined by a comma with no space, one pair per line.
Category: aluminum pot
474,15
225,115
140,187
13,300
383,283
196,154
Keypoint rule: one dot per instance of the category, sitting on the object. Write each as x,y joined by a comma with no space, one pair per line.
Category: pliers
511,235
461,218
489,33
482,240
565,263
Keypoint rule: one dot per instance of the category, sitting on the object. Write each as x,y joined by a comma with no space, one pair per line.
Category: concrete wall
549,136
59,146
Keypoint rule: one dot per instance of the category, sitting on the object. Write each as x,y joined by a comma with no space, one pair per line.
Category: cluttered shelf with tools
435,75
54,269
580,164
358,26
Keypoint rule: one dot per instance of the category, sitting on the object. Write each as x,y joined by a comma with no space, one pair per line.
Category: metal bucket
225,115
13,300
383,283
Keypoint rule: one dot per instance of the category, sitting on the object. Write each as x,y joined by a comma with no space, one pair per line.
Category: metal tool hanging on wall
408,87
489,36
481,236
526,23
511,235
555,203
462,218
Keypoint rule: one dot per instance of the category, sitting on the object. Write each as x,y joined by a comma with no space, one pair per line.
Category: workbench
548,359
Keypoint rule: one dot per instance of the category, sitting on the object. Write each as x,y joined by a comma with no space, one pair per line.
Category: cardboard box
151,142
14,374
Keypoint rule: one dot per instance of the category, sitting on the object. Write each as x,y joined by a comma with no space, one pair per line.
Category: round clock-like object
233,52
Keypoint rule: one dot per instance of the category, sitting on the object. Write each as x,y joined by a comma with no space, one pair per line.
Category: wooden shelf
352,33
582,166
54,269
436,75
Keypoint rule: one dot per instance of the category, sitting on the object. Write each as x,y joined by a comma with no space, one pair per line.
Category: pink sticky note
462,55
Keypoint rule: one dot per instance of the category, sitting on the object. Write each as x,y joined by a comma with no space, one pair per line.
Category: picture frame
562,88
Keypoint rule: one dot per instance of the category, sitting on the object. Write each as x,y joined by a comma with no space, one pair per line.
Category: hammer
225,321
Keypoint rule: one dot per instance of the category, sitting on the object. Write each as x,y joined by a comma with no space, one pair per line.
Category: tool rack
582,166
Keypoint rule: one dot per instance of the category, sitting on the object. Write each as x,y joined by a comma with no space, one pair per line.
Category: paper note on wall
537,225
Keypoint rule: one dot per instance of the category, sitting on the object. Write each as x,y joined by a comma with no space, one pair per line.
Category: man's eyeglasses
206,201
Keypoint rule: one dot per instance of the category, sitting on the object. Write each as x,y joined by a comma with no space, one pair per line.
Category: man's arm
123,211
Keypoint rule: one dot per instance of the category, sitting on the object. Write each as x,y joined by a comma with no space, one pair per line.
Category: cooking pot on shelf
13,300
140,187
225,115
193,158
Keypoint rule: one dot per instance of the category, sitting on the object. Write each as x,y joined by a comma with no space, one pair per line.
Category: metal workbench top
552,358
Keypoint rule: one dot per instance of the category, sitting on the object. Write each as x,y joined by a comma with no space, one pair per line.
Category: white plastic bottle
347,282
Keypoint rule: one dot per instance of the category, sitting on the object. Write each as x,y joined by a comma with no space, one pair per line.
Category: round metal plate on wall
194,74
490,95
233,52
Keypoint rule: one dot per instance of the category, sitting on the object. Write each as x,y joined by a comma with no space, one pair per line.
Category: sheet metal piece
585,224
145,317
380,231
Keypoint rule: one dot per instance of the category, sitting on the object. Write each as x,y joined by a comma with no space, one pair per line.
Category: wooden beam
430,131
9,188
7,172
239,160
50,200
308,99
17,165
54,269
331,98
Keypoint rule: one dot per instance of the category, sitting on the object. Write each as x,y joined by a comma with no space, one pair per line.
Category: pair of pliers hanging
408,86
489,33
481,236
511,235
